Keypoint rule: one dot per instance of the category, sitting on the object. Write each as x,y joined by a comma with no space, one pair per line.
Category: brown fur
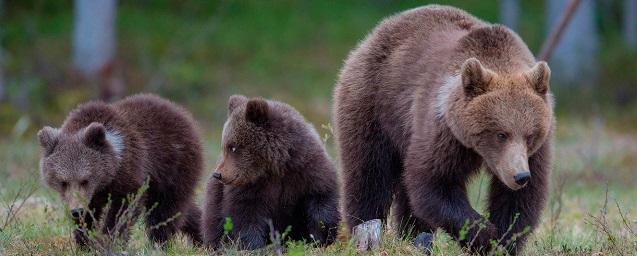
105,150
430,96
273,166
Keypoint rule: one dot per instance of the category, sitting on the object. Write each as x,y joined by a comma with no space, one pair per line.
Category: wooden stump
367,235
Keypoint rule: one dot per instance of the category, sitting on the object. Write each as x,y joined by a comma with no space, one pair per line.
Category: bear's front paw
366,236
424,240
481,238
81,238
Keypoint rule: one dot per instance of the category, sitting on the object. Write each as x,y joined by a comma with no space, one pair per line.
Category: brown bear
428,98
107,151
273,172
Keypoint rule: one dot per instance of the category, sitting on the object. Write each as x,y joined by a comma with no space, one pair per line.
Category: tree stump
367,235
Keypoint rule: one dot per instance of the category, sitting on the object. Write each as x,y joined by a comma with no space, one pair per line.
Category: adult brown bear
428,98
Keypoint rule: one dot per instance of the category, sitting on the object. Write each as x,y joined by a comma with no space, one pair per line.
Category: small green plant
328,134
227,226
295,248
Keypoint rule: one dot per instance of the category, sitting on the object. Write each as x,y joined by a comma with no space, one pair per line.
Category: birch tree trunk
94,45
2,81
2,84
630,23
510,13
574,61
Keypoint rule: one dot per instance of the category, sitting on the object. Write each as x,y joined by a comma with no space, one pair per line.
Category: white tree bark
574,61
367,235
93,35
510,13
630,23
94,46
2,85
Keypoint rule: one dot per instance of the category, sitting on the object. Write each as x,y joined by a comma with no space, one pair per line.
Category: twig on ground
14,205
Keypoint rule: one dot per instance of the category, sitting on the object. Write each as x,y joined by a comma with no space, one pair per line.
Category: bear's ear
235,101
257,111
95,136
48,138
539,76
475,78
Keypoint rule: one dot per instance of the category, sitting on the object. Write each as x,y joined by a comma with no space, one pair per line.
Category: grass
591,209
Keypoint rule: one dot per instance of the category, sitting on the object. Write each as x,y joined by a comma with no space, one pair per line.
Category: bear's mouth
230,182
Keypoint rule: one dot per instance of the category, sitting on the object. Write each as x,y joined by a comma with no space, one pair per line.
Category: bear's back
167,131
155,117
401,65
398,61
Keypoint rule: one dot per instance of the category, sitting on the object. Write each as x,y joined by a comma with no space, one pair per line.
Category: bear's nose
216,175
77,213
522,178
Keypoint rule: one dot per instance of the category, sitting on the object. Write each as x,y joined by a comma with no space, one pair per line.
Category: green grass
593,178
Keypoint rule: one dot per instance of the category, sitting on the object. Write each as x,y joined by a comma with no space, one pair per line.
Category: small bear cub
273,172
106,152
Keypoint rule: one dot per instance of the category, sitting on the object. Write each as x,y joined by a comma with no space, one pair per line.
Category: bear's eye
502,137
64,184
530,139
232,148
84,183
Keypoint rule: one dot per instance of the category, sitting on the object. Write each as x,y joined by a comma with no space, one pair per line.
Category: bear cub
273,172
108,151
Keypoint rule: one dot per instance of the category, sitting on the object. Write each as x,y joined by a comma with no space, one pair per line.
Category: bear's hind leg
163,221
192,224
323,218
370,172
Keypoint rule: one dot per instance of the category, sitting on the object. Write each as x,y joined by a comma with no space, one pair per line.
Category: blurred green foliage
198,53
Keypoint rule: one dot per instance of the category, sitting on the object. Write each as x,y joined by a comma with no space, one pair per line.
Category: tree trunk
630,23
94,46
2,85
574,61
510,13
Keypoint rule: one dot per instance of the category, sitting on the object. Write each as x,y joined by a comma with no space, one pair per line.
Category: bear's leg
119,220
436,172
407,225
250,212
107,225
191,225
83,226
212,220
520,209
161,223
323,218
81,239
250,228
370,172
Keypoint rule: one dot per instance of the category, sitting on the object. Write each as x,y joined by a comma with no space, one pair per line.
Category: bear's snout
77,213
523,178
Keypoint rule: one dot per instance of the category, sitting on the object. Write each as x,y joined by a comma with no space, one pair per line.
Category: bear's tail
191,224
